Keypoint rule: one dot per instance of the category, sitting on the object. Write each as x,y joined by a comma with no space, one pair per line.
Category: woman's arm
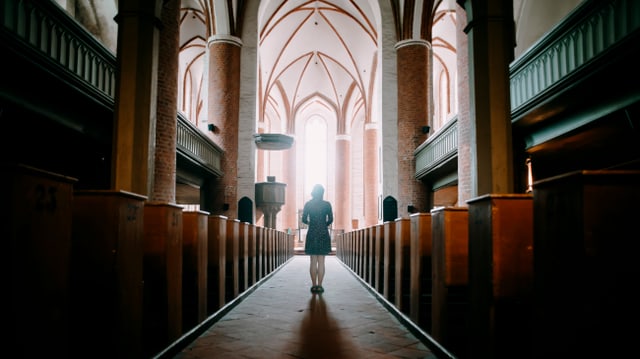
305,215
329,214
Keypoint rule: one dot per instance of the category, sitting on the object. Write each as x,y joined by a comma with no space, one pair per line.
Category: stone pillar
223,109
414,59
135,99
247,24
490,31
371,179
164,179
342,207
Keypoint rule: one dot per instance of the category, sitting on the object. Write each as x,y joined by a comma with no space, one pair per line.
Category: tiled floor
281,318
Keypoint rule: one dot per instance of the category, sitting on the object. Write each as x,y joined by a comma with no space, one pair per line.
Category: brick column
371,165
164,179
464,119
414,60
135,98
342,205
224,103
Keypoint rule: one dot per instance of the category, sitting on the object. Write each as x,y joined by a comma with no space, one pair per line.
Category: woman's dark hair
318,191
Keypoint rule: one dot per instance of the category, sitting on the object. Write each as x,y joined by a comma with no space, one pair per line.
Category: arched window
445,107
316,153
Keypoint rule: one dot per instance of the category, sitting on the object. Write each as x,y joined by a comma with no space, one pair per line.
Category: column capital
371,126
413,42
224,38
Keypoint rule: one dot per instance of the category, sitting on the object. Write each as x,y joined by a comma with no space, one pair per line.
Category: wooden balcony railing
564,53
197,147
48,37
437,150
55,41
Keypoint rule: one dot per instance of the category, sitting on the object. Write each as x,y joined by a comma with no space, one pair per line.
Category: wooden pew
195,225
355,253
243,256
107,273
378,259
268,251
500,275
586,271
292,243
348,249
402,264
36,230
420,270
389,271
252,254
162,275
260,240
450,263
278,249
216,263
370,254
232,280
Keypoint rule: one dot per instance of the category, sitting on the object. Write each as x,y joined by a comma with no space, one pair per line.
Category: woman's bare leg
313,270
320,269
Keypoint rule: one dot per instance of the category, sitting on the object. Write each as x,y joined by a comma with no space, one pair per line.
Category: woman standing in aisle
318,215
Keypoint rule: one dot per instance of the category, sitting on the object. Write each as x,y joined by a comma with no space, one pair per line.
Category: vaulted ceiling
316,52
315,57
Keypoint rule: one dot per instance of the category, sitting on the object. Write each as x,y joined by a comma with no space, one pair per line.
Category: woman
318,215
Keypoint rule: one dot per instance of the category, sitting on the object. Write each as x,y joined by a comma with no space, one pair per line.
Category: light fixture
529,175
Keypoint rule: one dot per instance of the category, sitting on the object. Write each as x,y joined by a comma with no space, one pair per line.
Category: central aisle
282,319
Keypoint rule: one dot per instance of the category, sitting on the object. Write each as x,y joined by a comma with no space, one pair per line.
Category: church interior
484,152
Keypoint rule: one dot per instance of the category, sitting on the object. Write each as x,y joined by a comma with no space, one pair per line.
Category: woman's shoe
319,289
314,289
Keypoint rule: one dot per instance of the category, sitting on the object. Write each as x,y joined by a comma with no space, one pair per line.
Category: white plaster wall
534,18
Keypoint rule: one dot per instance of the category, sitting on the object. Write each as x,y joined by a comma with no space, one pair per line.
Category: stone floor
281,318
